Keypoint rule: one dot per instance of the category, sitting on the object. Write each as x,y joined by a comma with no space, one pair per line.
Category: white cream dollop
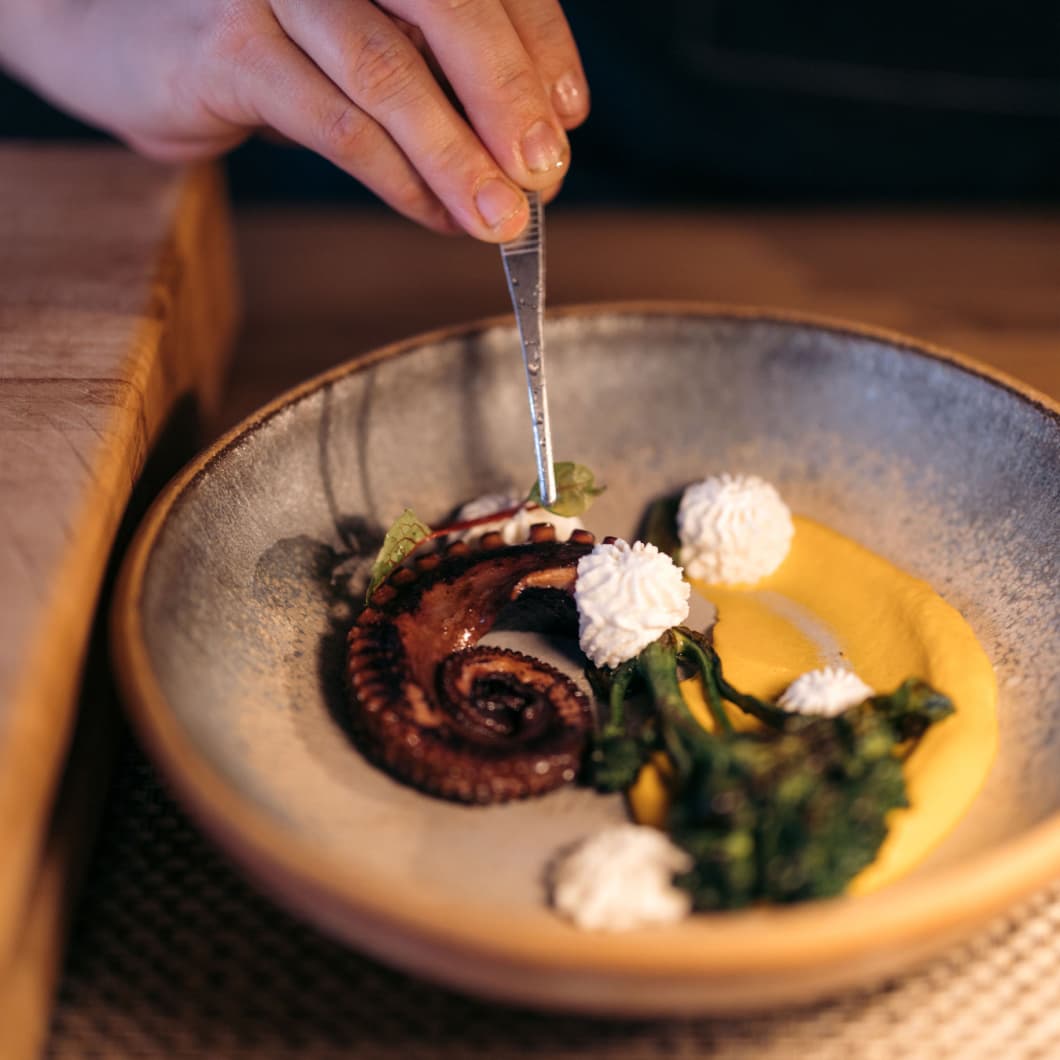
827,692
627,596
514,529
621,878
734,529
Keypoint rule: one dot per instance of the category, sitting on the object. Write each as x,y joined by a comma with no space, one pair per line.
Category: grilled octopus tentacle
449,716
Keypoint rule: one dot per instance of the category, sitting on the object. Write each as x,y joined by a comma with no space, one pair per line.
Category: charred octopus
454,718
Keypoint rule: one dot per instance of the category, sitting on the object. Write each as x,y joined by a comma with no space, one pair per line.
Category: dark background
765,101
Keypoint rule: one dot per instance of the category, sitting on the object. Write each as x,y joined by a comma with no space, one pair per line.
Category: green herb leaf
406,533
575,489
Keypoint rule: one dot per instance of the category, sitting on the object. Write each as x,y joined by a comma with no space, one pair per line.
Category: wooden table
116,299
321,285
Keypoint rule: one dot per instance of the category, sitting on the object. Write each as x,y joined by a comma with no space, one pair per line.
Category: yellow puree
830,594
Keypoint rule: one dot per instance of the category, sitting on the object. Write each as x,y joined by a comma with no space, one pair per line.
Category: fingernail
497,201
543,150
568,96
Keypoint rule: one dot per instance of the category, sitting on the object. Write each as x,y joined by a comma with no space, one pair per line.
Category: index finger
489,68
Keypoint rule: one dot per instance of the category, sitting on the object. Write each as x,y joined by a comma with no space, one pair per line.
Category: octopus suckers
450,716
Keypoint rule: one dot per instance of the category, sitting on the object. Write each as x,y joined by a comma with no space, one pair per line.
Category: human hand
364,84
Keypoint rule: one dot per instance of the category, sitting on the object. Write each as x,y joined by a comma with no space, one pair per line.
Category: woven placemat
174,955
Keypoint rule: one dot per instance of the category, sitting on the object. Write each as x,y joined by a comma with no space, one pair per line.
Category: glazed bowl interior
238,607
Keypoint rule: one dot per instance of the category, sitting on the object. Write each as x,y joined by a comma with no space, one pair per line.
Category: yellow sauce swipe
833,601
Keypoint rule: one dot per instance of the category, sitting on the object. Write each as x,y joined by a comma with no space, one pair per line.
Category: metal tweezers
524,265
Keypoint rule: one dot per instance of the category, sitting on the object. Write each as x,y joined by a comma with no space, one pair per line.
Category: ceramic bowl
232,612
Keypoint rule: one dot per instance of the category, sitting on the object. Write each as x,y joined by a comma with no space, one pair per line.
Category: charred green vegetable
790,811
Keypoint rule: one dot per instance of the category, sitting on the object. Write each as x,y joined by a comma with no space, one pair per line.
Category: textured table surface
174,955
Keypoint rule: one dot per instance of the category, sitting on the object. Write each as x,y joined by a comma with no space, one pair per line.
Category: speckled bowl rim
801,939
